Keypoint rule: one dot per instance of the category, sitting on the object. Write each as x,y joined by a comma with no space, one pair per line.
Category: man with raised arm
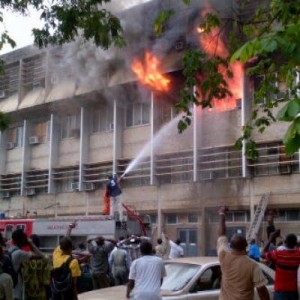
240,274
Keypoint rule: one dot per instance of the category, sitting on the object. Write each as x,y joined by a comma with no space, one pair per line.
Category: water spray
164,130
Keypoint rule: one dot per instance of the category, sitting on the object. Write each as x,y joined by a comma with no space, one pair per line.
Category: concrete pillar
25,155
154,123
118,121
195,144
20,88
152,163
3,151
246,113
202,233
84,144
53,151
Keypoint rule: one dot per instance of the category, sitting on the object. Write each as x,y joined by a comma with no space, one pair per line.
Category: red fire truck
51,230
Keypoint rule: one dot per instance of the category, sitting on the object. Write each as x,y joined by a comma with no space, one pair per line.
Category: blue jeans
286,296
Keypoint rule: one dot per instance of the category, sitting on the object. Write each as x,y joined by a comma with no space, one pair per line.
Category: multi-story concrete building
79,113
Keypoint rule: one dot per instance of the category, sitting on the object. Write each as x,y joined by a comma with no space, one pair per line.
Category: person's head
252,242
35,239
100,240
159,241
110,176
66,245
19,238
290,241
238,242
178,241
146,248
81,246
119,243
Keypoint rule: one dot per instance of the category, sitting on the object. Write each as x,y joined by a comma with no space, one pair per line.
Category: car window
178,275
210,279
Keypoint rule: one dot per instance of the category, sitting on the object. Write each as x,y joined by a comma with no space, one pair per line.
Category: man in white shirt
146,275
176,250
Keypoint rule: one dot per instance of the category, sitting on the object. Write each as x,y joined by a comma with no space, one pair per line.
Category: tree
269,44
66,20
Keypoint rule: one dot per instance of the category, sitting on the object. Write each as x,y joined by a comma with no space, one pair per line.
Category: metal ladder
258,218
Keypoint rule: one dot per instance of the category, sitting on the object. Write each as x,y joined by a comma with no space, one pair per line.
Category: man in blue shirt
115,194
254,251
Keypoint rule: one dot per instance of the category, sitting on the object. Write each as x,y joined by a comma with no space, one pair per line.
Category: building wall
169,183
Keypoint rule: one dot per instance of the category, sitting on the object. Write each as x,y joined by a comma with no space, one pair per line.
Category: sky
19,27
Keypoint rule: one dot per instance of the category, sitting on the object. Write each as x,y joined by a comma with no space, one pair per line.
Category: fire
149,73
212,44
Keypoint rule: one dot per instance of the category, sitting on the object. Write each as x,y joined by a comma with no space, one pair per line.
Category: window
289,215
41,130
70,126
66,178
232,216
9,80
15,136
137,114
192,218
210,279
171,219
269,88
178,275
153,218
34,72
102,120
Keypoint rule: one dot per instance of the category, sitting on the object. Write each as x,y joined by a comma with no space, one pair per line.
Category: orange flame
149,73
212,44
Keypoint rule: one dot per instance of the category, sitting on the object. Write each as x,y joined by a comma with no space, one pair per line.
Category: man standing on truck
115,193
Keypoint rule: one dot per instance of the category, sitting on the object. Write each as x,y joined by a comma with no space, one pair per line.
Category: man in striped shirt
286,260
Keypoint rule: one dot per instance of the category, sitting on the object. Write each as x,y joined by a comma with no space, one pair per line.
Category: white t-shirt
176,250
147,272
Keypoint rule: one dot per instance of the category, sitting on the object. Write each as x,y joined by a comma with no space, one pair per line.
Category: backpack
7,266
61,277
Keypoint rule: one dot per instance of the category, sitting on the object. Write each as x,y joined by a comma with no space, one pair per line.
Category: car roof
199,260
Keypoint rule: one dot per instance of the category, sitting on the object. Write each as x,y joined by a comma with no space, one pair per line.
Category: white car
189,278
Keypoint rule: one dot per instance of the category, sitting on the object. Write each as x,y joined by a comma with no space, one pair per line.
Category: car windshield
178,275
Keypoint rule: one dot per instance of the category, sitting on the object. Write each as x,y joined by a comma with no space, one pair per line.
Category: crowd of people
135,262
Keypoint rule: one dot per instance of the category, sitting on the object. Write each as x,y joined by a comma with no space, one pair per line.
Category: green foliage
4,121
65,20
161,20
273,40
269,43
209,22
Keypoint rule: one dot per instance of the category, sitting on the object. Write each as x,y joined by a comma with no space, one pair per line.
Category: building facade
79,114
